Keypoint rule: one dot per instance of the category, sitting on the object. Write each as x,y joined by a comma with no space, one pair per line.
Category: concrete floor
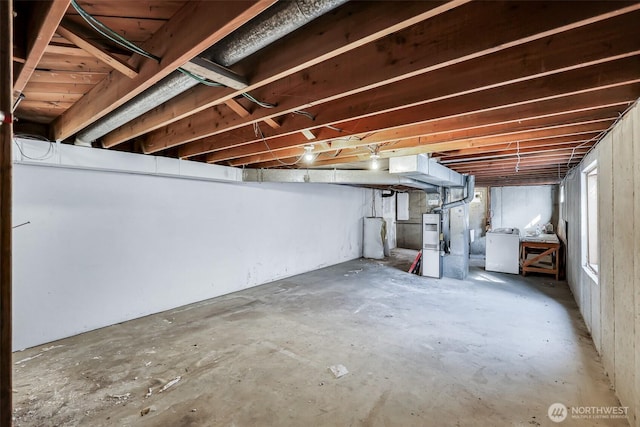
493,350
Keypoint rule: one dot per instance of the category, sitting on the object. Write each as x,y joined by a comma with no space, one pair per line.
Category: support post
6,137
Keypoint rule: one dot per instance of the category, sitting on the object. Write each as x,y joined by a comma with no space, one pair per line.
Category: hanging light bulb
375,164
308,153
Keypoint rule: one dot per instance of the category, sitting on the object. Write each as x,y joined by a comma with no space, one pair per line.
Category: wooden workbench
540,246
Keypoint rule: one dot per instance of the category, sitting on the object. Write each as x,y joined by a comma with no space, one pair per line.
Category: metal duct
332,176
471,185
167,88
274,23
283,18
420,167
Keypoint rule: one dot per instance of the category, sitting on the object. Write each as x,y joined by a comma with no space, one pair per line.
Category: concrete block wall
478,222
523,207
104,247
610,306
409,233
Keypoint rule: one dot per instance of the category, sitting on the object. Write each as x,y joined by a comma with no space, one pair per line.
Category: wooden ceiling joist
43,22
420,49
486,124
322,39
448,141
67,30
505,68
194,28
419,120
478,85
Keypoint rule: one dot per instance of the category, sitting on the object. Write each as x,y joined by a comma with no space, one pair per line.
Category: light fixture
375,164
308,153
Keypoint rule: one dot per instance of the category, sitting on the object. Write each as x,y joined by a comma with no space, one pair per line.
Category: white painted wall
523,207
389,215
611,306
105,247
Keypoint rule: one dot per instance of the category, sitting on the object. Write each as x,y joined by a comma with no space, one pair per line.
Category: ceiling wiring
46,156
112,35
259,134
601,135
260,103
304,113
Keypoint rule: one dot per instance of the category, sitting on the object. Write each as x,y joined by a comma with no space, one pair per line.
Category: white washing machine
503,250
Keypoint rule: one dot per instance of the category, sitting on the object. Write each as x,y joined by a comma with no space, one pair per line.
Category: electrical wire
597,139
46,156
260,103
111,34
518,154
305,114
258,132
122,41
599,136
200,79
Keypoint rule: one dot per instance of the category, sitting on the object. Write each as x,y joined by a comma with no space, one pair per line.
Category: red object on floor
414,266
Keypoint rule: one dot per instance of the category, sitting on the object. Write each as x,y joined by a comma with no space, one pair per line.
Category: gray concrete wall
611,305
409,233
456,262
389,215
523,207
478,221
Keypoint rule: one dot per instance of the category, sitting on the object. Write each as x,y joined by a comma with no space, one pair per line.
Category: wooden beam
570,126
66,77
194,28
421,119
475,75
6,141
481,137
551,143
511,152
476,125
423,48
237,108
272,123
328,36
525,160
493,182
71,33
43,21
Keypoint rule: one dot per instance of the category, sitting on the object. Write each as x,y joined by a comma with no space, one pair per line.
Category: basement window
590,220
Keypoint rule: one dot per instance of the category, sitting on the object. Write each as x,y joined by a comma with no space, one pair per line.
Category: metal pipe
471,184
274,23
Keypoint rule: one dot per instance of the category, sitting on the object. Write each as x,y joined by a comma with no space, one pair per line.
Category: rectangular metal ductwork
421,168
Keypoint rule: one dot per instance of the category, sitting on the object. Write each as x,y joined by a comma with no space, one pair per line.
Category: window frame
586,211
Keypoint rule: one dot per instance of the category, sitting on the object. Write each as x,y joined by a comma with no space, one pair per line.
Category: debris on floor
119,396
148,393
146,410
338,370
169,384
28,358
